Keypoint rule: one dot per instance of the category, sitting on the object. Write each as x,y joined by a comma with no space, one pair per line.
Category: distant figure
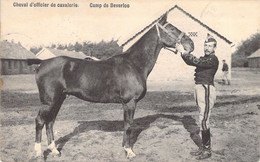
225,73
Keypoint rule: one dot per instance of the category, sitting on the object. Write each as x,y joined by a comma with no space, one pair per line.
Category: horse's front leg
129,111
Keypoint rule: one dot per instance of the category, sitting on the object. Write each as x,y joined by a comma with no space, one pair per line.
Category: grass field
165,123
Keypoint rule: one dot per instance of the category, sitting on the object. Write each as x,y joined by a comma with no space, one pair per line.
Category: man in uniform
225,73
206,67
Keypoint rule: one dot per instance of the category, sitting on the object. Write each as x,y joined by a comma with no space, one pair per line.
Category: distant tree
66,47
101,50
53,46
70,47
61,47
35,50
77,47
245,49
86,48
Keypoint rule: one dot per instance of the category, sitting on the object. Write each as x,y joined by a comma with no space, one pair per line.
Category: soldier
206,67
225,73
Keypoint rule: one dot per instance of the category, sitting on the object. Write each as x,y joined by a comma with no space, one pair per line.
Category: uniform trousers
205,96
225,77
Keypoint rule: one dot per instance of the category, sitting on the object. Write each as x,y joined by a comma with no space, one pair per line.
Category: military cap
210,38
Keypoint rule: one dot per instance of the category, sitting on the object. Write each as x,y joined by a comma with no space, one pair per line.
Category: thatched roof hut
13,59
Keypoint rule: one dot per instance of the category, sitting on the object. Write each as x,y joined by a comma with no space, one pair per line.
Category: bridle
178,40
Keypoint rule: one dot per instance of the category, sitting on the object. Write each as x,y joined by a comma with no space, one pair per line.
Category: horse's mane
148,26
133,47
133,37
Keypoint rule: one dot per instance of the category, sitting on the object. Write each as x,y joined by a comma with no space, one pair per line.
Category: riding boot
206,143
200,149
197,152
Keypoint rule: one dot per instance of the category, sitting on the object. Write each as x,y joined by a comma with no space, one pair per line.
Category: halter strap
165,30
178,40
165,25
180,36
158,31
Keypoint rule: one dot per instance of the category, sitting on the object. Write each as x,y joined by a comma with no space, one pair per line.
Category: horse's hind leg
50,122
129,111
39,125
47,116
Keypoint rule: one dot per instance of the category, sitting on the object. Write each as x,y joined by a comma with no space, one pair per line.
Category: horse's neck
144,53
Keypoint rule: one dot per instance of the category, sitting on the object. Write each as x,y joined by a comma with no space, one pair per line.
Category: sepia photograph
130,80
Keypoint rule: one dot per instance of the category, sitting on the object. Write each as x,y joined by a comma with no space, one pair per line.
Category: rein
174,50
178,40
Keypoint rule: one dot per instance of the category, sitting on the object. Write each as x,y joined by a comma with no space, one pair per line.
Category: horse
119,79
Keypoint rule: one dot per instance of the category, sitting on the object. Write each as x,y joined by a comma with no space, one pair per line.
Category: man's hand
180,48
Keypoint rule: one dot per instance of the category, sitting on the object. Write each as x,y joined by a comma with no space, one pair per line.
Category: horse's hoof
55,152
129,152
130,155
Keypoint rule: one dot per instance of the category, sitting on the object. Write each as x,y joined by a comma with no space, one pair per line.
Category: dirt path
168,135
165,127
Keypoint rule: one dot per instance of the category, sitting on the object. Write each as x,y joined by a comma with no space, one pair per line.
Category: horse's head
170,35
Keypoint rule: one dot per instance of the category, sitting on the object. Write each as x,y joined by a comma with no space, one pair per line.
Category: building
13,59
254,59
170,66
47,53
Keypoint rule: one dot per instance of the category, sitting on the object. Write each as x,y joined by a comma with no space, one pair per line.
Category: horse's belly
99,95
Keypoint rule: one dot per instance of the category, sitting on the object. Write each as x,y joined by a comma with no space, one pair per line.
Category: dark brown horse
119,79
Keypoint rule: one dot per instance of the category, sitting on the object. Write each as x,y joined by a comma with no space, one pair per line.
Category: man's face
209,48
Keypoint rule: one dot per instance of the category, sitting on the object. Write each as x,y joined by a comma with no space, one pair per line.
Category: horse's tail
33,61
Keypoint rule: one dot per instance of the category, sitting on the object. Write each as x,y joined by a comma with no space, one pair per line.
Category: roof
255,54
202,24
186,13
57,52
11,50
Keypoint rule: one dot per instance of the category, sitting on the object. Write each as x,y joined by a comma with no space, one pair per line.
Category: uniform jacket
225,67
206,67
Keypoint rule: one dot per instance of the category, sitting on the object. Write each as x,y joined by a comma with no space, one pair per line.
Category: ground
165,123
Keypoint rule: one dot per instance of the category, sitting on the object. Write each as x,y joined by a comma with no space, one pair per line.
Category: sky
35,26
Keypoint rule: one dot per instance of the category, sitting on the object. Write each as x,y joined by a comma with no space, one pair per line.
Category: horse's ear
163,20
